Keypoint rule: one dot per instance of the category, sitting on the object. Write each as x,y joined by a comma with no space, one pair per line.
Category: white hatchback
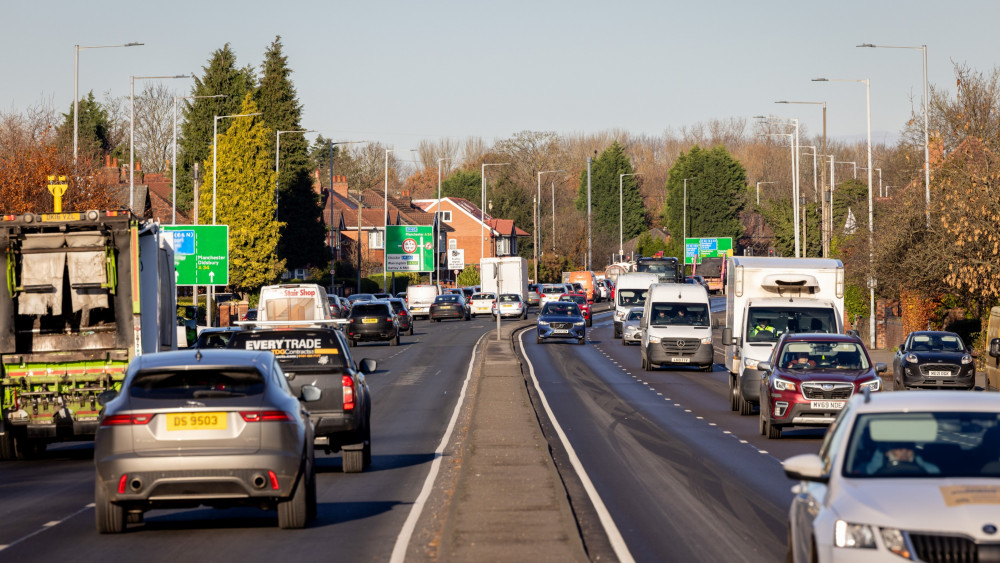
901,476
482,303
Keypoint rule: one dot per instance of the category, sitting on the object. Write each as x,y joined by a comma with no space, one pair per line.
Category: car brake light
265,416
401,313
121,484
348,384
126,419
274,480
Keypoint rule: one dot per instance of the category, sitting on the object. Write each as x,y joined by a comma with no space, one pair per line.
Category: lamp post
805,245
277,159
131,132
482,209
76,88
795,176
437,221
685,215
927,159
758,189
879,170
173,175
825,241
871,212
621,231
537,215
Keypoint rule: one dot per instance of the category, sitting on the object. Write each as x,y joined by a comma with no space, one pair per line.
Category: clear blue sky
402,71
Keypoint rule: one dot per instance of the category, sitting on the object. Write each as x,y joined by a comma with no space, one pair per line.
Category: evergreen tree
605,172
463,183
93,135
716,194
244,199
221,77
303,233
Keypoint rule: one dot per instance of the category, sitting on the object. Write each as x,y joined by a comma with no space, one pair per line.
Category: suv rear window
196,384
318,348
370,309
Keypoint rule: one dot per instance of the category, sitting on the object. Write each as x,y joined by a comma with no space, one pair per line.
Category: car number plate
369,321
561,331
939,373
197,421
828,405
681,360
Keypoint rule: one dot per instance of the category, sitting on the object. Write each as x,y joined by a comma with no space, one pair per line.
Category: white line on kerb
406,532
614,536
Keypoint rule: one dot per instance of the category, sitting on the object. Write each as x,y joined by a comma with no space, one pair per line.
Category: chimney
340,185
107,161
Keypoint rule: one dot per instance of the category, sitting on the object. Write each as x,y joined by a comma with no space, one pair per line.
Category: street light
173,175
825,242
621,232
76,88
536,216
871,212
482,209
879,170
795,176
131,131
805,246
685,220
758,189
277,157
437,221
795,198
927,158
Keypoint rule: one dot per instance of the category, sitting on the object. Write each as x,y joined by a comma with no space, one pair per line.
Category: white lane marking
614,536
46,526
406,532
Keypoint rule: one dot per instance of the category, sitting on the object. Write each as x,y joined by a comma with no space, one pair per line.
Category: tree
605,175
154,121
245,201
463,183
716,194
93,135
303,233
469,276
646,245
221,77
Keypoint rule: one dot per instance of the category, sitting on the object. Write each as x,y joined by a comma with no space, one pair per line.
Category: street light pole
927,154
537,215
816,196
277,159
758,189
621,222
76,89
173,175
795,177
482,208
131,132
437,221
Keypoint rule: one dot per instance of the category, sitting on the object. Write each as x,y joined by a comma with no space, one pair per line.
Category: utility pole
589,238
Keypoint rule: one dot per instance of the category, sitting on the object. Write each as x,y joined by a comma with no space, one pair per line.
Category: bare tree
153,123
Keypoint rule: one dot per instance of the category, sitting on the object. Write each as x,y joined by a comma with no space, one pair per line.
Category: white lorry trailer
767,297
508,274
630,291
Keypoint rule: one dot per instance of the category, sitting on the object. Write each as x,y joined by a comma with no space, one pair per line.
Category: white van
293,302
419,299
677,327
630,291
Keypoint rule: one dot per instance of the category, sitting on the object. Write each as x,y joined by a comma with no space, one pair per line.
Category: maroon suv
809,379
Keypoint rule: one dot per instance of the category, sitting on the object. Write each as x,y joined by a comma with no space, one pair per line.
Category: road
47,511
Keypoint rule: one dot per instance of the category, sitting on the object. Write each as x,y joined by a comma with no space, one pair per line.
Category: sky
399,72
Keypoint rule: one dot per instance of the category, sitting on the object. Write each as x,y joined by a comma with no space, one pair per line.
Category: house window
444,216
300,273
376,239
503,246
452,244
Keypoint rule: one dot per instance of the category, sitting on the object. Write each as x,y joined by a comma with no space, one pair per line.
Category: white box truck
507,274
630,291
767,297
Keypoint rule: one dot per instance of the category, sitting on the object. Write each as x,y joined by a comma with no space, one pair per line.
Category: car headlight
895,542
783,385
543,323
750,363
873,385
706,340
966,359
912,358
654,339
581,323
846,534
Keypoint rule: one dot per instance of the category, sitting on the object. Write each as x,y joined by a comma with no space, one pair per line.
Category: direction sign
697,248
409,248
201,253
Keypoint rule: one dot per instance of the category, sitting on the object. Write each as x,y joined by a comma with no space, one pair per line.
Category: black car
372,321
450,306
319,356
561,319
402,315
215,337
933,359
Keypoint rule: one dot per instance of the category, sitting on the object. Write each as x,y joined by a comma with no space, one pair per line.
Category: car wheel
292,513
761,425
708,368
582,340
645,364
745,406
538,339
624,342
394,341
353,461
410,332
473,315
312,504
773,431
590,321
110,517
733,405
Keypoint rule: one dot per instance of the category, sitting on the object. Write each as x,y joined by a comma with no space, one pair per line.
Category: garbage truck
85,293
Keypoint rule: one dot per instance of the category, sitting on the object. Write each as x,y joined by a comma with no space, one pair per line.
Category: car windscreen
766,324
319,348
579,299
684,314
450,298
369,310
798,354
174,383
564,308
634,315
924,444
936,343
631,297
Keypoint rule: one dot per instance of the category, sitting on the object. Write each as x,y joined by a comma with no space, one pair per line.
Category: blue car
561,319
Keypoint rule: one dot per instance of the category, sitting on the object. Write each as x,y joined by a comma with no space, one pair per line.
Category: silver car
204,427
630,327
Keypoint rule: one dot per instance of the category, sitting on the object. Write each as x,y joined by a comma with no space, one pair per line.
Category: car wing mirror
106,397
805,467
765,366
881,367
995,347
368,366
310,393
727,337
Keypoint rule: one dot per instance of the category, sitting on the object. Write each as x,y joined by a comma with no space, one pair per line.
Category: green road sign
697,248
409,248
201,254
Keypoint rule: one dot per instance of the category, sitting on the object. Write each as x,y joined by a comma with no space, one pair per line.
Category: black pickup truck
320,356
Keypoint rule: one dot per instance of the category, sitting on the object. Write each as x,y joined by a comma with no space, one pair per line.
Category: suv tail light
265,416
348,384
126,419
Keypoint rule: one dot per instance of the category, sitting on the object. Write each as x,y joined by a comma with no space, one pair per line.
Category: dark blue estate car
561,319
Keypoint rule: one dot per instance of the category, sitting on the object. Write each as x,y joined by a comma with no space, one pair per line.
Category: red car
581,300
810,378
